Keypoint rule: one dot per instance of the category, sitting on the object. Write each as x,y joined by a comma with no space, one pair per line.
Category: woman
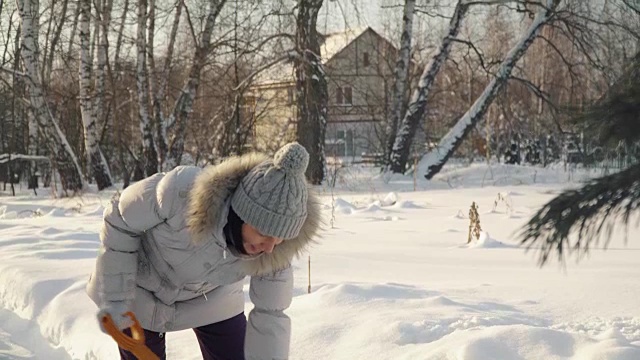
177,246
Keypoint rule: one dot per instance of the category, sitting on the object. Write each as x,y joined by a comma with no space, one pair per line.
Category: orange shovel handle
135,343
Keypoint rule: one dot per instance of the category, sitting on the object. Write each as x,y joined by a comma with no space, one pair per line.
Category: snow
392,279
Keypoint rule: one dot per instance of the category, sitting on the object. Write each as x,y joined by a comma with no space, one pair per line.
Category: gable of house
359,66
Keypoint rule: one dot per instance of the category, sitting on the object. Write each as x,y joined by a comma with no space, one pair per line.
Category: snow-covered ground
392,277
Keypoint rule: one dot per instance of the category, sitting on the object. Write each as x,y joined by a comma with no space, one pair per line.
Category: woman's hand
117,311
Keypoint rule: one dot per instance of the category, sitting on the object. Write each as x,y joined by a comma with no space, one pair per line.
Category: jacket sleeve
141,207
268,327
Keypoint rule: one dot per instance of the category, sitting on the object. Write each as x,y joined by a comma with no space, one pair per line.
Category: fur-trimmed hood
209,196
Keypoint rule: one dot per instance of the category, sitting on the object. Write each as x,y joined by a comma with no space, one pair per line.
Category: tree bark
416,108
311,86
435,160
74,27
91,107
104,20
401,74
123,19
56,39
150,156
64,159
46,54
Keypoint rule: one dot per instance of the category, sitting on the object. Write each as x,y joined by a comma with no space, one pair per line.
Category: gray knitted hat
272,197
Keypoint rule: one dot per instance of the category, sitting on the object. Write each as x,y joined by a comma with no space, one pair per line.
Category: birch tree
436,158
150,155
92,106
64,159
32,122
159,85
416,108
401,74
57,34
311,87
184,103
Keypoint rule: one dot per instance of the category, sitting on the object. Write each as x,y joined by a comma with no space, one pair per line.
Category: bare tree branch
290,56
13,72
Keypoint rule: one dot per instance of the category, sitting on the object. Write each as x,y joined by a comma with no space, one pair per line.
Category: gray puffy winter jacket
164,252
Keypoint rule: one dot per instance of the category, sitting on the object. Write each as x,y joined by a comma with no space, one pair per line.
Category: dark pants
223,340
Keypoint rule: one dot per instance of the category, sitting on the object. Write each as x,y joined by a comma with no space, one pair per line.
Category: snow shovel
135,343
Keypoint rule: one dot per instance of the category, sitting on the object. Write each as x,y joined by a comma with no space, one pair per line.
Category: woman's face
255,243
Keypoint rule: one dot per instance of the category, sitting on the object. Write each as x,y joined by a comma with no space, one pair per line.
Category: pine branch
585,212
619,107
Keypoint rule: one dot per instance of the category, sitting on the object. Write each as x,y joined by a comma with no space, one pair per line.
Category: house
359,66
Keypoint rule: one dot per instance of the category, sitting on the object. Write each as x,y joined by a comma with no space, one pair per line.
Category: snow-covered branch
5,158
436,158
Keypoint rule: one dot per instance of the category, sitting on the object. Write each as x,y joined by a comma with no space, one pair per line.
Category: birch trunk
32,147
161,90
91,111
86,65
74,27
56,39
150,157
95,36
435,160
184,103
104,21
114,77
46,54
64,159
157,118
123,19
416,108
311,86
401,74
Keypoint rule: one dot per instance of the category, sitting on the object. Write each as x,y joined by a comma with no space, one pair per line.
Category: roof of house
333,44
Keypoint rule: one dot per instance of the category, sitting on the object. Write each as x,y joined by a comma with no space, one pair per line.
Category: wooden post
309,287
470,222
415,172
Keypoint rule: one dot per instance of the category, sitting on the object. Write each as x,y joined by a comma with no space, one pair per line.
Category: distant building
359,66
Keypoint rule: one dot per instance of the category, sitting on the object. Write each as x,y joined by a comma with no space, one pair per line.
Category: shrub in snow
503,199
474,222
390,200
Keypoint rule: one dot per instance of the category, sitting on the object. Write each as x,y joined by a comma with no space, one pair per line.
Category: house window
348,100
350,150
342,144
290,96
339,149
344,95
365,59
248,100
